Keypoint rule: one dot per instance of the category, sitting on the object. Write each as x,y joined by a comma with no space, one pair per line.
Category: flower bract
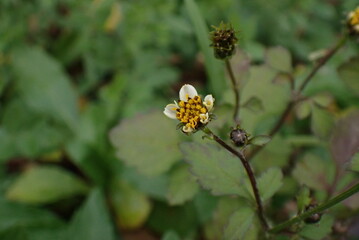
190,110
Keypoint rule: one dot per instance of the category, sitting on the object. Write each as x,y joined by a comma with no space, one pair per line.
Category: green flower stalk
224,45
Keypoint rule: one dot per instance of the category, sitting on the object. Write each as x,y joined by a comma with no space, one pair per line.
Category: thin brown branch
280,122
250,174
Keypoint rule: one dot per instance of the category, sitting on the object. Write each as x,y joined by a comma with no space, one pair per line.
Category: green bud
223,41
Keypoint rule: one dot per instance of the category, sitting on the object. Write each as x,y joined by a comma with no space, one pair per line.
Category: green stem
320,208
235,88
249,171
291,104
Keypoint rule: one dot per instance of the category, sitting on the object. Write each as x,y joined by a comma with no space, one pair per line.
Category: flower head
353,21
223,41
192,113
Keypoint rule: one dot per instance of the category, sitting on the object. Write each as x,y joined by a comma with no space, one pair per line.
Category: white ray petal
209,102
187,129
204,118
186,92
170,111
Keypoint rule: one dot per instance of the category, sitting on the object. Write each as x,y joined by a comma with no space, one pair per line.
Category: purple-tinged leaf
345,139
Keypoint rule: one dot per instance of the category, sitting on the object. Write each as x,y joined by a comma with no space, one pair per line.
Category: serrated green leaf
225,207
44,86
43,184
303,199
260,140
319,230
279,58
213,66
303,109
314,172
92,221
270,182
148,142
215,168
322,122
241,225
14,215
182,186
274,98
131,206
349,73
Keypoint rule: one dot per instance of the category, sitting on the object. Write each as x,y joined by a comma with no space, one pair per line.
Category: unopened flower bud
314,218
239,137
223,41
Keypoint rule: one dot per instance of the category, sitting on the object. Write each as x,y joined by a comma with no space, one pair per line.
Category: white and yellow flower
190,110
353,21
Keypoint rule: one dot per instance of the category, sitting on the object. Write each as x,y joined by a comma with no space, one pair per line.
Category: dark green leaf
205,205
44,86
13,215
16,233
241,225
170,235
181,219
92,221
270,182
215,168
225,208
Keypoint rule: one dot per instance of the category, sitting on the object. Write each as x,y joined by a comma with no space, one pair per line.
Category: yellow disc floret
189,112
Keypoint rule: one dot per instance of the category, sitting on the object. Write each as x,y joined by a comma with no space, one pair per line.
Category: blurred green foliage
86,153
